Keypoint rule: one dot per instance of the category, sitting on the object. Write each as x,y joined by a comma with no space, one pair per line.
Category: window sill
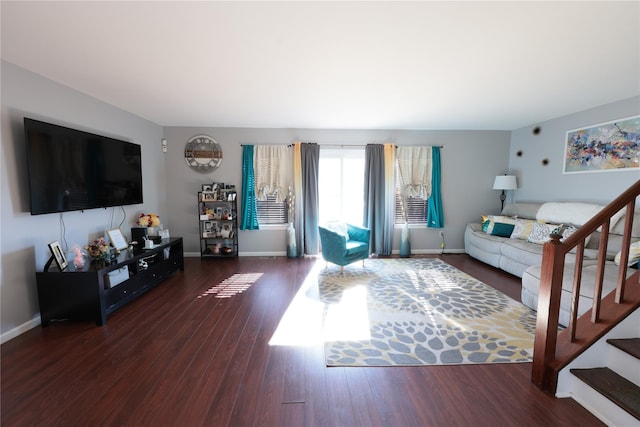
274,226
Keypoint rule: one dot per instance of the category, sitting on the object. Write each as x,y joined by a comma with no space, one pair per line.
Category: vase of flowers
151,221
98,249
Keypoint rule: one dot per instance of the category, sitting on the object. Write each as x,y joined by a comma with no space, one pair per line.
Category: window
272,170
272,212
416,209
341,185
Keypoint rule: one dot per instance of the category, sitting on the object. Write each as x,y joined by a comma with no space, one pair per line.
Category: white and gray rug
419,311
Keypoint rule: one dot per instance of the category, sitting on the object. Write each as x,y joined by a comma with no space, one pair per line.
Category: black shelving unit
218,224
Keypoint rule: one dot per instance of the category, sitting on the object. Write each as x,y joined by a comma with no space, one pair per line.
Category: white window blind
416,210
271,211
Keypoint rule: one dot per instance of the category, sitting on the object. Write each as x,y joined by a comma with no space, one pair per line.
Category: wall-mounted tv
72,170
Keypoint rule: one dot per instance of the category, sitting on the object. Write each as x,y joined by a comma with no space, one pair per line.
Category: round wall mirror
203,154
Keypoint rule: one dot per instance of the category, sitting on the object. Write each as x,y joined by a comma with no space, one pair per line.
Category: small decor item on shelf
78,260
98,249
148,220
152,222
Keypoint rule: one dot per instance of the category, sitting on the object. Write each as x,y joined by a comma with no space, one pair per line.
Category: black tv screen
72,170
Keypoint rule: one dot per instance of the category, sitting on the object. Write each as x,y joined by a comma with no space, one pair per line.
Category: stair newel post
544,348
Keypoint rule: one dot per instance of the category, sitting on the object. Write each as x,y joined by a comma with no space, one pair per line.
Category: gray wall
547,183
24,238
470,161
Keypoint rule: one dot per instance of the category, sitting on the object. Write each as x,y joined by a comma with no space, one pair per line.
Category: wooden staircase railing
553,350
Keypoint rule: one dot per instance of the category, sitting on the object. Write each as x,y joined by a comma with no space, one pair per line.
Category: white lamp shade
505,182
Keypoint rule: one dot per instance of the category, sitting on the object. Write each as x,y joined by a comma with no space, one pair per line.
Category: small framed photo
207,187
117,239
209,197
208,226
58,255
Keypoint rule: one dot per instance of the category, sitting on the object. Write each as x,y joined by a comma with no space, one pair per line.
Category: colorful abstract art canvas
606,147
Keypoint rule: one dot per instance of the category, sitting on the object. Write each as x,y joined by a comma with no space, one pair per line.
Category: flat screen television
72,170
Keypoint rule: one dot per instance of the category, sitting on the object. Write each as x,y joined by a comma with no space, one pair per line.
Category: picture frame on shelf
117,239
208,196
207,187
58,255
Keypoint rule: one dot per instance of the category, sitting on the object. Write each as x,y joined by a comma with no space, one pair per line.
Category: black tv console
93,292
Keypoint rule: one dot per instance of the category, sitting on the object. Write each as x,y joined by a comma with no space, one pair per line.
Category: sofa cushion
522,251
531,285
522,210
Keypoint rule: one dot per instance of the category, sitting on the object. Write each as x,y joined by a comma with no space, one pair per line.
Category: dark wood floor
182,356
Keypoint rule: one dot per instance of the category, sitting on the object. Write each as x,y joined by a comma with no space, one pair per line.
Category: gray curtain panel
307,242
374,202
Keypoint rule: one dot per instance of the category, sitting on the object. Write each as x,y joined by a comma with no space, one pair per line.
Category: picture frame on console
58,255
117,239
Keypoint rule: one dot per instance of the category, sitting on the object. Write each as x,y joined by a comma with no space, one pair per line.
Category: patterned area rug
419,311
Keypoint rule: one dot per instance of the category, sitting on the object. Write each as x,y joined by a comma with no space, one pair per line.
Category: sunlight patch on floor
349,319
233,285
301,324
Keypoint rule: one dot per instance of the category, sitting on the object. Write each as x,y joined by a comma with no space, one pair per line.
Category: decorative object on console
117,239
78,259
148,220
57,255
98,249
504,182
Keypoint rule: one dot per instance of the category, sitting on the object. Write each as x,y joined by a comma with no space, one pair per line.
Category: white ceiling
341,65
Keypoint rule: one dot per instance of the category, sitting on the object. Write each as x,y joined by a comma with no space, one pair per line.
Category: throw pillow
568,231
339,227
540,232
485,221
493,219
634,255
522,229
501,229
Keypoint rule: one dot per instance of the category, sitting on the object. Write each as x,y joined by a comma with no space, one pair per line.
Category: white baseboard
20,329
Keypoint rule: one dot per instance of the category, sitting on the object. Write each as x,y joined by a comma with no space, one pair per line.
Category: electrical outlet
441,233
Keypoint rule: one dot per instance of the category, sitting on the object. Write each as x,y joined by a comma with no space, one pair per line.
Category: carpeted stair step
628,345
614,387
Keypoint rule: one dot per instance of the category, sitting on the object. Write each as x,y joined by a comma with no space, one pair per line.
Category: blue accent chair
340,250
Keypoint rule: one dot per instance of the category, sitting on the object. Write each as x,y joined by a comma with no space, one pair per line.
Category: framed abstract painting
605,147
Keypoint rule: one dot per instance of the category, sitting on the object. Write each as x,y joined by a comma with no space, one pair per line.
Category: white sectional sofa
522,256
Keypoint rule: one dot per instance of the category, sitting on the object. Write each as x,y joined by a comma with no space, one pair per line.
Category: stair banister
546,361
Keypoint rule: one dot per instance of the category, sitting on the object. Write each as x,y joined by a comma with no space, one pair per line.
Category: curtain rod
342,146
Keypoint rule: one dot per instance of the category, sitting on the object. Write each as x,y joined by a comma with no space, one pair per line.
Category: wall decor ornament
605,147
203,154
